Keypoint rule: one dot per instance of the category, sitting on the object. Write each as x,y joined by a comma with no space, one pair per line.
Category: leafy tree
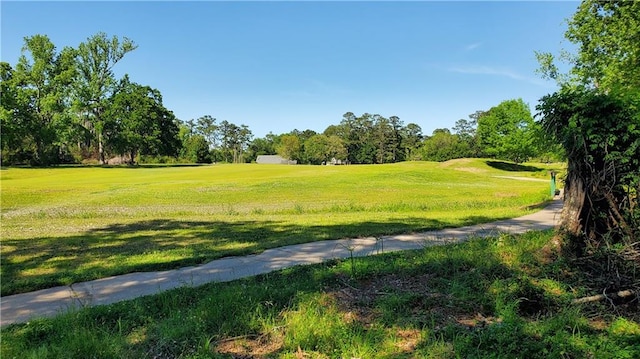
357,133
387,138
206,126
322,148
15,117
262,146
506,131
303,137
136,122
443,146
290,147
410,141
196,149
234,141
608,36
466,131
38,93
96,83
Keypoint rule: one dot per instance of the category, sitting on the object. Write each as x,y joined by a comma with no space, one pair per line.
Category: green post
553,184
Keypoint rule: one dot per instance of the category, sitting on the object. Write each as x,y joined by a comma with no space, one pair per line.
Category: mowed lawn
72,224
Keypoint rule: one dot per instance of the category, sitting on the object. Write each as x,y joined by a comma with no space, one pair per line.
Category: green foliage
262,146
466,131
322,149
506,131
234,140
600,133
96,82
410,139
596,117
372,138
195,149
67,106
608,47
136,122
608,36
206,126
290,147
35,106
444,146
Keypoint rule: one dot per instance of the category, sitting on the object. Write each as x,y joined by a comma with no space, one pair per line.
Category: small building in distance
274,160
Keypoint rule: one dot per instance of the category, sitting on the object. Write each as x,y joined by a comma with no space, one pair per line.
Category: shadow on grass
476,299
161,244
513,167
135,166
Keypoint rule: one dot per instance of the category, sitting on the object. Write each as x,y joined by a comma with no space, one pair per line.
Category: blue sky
279,66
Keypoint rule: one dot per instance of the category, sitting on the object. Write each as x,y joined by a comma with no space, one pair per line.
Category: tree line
364,139
68,106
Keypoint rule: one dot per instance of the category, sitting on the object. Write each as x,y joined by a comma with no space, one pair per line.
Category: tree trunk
574,202
101,149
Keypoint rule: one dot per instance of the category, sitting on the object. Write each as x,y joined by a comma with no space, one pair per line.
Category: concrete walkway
50,302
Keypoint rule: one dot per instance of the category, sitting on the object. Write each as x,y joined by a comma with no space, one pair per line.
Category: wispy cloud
473,46
496,71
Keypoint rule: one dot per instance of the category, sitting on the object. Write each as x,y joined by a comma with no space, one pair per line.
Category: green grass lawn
71,224
503,297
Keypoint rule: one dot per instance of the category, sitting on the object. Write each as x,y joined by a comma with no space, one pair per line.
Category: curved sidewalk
20,308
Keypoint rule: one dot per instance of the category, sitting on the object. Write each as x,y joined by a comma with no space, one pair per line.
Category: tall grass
486,298
64,225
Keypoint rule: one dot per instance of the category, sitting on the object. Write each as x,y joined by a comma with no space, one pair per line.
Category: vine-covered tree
596,117
600,133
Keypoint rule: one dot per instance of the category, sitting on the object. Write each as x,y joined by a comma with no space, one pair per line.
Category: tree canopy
507,131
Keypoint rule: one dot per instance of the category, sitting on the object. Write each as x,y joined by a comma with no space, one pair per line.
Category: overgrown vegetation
595,116
64,225
503,297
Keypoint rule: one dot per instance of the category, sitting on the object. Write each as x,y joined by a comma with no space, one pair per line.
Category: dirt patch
470,169
408,340
250,346
462,164
358,303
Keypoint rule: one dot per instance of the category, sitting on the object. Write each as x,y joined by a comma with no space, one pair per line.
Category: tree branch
610,296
